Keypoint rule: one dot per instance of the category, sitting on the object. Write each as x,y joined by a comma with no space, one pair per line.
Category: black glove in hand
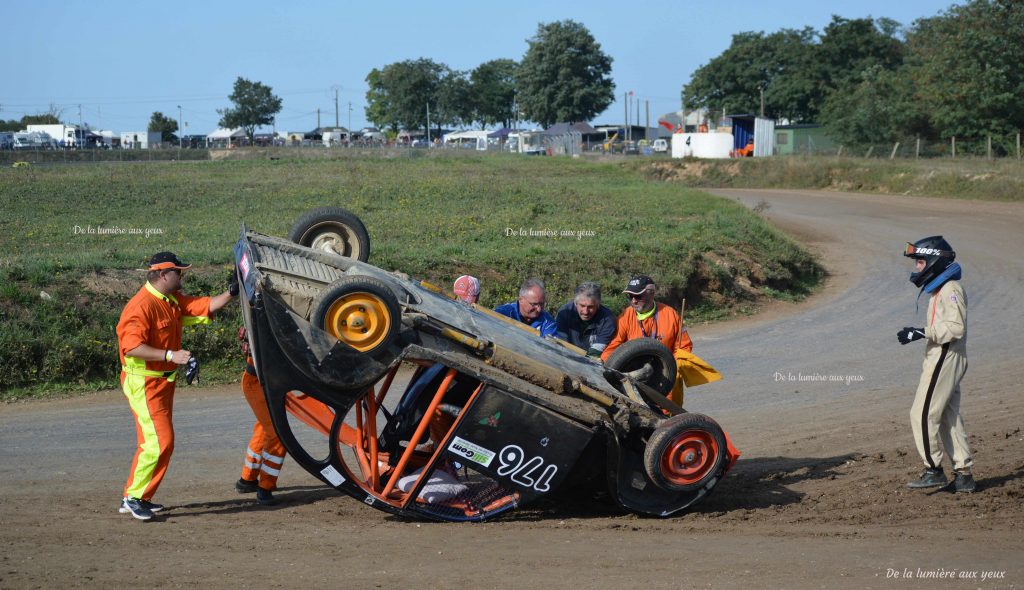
192,371
909,335
233,284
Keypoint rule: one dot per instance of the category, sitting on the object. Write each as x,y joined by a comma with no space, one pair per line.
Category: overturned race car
490,416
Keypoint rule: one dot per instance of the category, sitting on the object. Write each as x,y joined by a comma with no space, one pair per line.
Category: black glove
233,284
909,335
192,371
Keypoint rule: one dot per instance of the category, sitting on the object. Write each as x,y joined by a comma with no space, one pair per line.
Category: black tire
635,354
686,453
361,312
334,230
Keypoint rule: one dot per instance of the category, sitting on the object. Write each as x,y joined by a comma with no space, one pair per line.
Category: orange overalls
265,454
155,319
663,323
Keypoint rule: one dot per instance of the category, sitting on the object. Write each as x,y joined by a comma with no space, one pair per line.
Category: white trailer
142,140
65,135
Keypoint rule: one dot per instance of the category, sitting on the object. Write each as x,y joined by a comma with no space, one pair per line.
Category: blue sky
123,60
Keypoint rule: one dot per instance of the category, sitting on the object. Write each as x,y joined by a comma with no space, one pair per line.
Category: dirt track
817,501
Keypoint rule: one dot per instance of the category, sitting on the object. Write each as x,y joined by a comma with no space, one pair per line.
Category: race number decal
527,472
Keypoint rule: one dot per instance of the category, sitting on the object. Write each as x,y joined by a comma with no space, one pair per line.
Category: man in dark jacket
584,322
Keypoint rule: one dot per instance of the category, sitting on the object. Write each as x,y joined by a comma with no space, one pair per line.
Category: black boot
930,478
246,486
265,497
964,483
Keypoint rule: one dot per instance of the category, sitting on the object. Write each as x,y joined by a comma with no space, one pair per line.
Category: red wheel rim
689,457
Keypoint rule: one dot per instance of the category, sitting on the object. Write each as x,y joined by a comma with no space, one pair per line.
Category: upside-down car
416,403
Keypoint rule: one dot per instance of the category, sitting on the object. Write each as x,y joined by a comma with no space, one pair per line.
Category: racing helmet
937,254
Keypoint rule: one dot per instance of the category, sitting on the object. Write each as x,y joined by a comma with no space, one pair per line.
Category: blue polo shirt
590,336
544,322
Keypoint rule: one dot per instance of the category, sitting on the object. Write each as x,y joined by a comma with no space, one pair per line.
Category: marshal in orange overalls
156,320
265,453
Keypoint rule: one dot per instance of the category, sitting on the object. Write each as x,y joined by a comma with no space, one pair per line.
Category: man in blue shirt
529,309
584,322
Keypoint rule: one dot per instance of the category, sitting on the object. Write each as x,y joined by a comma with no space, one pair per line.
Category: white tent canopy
222,133
466,136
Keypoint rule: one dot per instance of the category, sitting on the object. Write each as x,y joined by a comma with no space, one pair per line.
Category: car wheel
647,360
360,311
332,229
685,453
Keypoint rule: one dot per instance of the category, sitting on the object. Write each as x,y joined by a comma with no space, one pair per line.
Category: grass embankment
964,178
80,232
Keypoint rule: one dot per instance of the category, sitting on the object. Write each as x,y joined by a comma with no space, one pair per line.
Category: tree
965,66
781,64
850,47
879,107
167,127
454,100
493,86
255,105
379,110
796,70
564,76
401,92
50,118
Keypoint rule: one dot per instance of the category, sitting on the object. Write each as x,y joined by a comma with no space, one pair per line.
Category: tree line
563,77
870,81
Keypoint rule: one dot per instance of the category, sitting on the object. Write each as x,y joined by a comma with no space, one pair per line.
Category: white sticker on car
244,264
471,451
332,476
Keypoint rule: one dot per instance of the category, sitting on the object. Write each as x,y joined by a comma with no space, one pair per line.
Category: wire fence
569,144
987,146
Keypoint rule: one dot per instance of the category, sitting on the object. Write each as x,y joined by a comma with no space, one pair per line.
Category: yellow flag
691,371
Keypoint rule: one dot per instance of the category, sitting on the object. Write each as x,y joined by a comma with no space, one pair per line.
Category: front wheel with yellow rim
360,311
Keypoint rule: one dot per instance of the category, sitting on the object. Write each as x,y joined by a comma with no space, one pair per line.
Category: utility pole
350,118
336,123
625,126
428,124
762,101
318,117
647,119
638,111
81,129
180,129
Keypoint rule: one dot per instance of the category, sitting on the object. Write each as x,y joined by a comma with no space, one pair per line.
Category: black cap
165,260
638,284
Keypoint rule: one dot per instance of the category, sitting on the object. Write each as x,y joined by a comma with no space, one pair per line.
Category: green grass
433,217
963,178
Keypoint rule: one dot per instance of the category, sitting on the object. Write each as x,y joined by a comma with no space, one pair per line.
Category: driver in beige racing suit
935,414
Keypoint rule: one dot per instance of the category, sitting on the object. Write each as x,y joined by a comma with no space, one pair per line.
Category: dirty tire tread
663,436
626,358
302,231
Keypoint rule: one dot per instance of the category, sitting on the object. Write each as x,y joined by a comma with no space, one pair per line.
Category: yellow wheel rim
360,320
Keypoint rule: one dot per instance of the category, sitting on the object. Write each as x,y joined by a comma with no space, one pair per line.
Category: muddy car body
493,416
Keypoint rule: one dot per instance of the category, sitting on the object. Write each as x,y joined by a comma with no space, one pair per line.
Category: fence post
840,154
953,139
870,149
917,150
892,156
1018,145
989,147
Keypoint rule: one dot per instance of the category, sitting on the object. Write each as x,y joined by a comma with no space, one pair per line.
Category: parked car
660,146
492,417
